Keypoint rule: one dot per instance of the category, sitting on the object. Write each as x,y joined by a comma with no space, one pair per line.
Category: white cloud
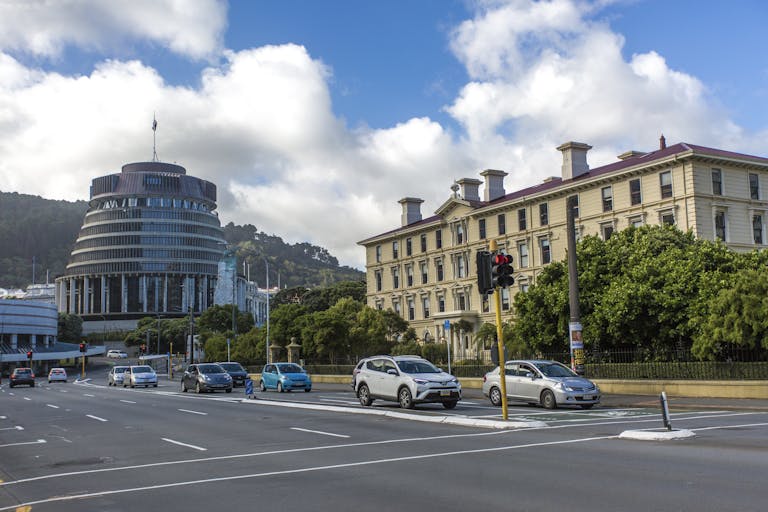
260,123
43,28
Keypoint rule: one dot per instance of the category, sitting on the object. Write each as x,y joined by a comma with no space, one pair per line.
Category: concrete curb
445,420
656,435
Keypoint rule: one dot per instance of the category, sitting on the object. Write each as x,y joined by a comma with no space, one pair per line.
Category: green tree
218,319
70,328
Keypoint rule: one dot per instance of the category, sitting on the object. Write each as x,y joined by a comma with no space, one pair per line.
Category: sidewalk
685,403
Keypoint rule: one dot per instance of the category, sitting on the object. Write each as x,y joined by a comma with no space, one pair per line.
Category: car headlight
421,381
206,378
562,386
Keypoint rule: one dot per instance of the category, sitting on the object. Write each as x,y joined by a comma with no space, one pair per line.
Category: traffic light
484,284
142,349
29,355
501,270
82,347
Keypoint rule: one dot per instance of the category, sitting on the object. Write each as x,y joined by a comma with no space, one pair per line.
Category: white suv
408,380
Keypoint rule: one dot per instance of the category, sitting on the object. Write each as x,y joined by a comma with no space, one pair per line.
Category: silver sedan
548,383
116,375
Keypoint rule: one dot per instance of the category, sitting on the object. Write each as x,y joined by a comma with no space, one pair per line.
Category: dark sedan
23,377
236,371
206,377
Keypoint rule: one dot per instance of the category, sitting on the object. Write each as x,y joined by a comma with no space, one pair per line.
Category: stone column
33,341
123,294
294,350
72,296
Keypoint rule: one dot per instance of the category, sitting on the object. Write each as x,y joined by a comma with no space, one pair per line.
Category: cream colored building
425,269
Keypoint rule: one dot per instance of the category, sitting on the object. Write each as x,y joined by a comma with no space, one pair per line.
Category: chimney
662,142
470,189
411,210
494,184
574,159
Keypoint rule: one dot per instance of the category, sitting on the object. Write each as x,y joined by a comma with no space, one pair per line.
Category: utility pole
576,342
266,264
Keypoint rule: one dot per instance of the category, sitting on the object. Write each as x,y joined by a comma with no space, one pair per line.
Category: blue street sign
446,325
248,387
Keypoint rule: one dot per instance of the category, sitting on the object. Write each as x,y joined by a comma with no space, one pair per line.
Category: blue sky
334,110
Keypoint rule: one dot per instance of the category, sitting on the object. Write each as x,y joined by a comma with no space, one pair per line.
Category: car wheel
229,390
587,406
262,387
49,382
133,385
32,385
548,399
364,395
279,387
307,390
405,398
450,405
183,386
494,395
154,385
198,389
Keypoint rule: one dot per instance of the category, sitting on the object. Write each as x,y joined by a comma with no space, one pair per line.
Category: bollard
665,410
249,388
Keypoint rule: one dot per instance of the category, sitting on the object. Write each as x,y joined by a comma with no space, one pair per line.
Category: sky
313,118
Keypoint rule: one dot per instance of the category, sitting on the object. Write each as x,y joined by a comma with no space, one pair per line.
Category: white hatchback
57,375
140,375
117,354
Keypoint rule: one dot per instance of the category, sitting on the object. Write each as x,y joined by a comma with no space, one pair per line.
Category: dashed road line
95,417
128,401
53,406
184,444
193,412
319,432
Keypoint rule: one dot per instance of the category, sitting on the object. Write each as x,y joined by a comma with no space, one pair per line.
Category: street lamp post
266,264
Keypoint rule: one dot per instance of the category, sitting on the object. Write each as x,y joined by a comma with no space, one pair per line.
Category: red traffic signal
142,349
29,355
82,347
501,270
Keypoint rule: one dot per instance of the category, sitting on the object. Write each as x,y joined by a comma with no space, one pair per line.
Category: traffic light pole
500,344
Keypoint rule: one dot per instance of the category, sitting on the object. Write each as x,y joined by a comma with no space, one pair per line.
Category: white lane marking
39,441
351,402
318,432
86,394
27,398
63,391
193,412
52,406
95,417
184,444
304,470
128,401
718,427
17,427
3,417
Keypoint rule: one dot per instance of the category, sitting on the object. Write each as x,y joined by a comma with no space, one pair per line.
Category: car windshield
232,367
24,371
417,367
555,370
289,368
120,369
210,368
143,369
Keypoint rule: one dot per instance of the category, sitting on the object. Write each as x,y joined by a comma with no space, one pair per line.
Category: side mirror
392,371
530,375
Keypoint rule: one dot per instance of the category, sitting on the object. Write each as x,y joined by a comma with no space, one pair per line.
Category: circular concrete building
150,245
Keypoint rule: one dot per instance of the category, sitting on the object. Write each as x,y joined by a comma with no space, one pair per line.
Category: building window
717,182
396,305
441,304
720,225
408,246
379,305
543,214
757,228
523,287
606,230
505,299
411,309
439,238
378,254
423,243
754,186
486,304
521,221
378,280
462,301
667,218
395,248
395,277
425,306
635,196
546,256
439,269
424,272
461,268
502,224
607,193
522,252
459,234
574,202
665,181
409,274
481,226
636,221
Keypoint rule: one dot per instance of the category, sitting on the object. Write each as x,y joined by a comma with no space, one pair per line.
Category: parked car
117,354
22,376
548,383
140,375
206,377
116,375
284,377
236,371
408,380
57,375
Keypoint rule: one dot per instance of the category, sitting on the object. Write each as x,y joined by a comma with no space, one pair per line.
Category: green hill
45,230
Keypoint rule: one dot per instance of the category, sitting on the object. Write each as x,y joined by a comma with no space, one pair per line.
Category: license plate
445,393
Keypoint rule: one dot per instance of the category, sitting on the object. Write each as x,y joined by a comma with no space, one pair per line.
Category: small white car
57,375
117,354
116,375
140,375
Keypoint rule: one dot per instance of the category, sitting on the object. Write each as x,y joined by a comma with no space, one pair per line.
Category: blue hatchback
284,377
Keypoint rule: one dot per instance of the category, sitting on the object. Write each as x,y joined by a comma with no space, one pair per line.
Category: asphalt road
87,447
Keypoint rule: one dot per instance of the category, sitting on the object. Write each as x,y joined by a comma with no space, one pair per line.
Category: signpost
447,327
